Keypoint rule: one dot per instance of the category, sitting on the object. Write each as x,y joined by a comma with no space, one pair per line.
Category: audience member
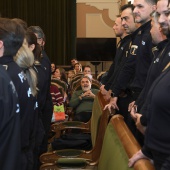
73,62
60,74
82,100
78,68
71,74
53,68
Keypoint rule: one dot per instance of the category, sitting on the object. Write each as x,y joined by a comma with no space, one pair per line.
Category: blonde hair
25,60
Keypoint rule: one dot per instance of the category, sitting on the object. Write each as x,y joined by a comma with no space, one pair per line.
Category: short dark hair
153,2
88,66
32,39
122,8
12,34
22,22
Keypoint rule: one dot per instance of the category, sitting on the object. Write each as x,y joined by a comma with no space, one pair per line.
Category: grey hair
154,16
87,78
37,30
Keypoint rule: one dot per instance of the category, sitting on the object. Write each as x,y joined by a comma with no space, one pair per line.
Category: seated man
82,100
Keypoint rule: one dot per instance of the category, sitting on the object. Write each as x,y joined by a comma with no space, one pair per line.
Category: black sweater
157,136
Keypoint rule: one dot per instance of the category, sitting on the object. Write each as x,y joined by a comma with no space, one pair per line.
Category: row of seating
113,144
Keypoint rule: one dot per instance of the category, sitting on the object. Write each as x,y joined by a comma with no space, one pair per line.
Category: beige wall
95,19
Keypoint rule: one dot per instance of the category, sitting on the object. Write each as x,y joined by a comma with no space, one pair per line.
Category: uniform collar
162,44
6,59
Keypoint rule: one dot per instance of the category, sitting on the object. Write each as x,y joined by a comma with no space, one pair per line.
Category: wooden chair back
118,146
60,83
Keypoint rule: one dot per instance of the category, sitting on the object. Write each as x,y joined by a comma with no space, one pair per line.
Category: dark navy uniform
47,109
28,107
157,138
10,145
41,98
134,72
119,61
160,61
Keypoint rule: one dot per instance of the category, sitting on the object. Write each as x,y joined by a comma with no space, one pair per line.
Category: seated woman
53,68
78,68
60,74
71,74
57,98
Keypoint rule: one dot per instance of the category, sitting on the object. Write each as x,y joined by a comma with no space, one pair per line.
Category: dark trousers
83,116
161,160
123,103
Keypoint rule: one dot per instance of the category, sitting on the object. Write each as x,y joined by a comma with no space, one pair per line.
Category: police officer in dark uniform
120,57
130,27
47,110
134,72
9,124
42,86
11,44
161,59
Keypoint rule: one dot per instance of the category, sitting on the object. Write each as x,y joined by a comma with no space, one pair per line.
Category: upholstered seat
118,146
98,126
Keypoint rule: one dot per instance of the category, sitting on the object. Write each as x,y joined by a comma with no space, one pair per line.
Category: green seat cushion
71,163
72,123
69,152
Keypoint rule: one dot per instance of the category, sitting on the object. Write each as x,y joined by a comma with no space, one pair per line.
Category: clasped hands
88,94
136,117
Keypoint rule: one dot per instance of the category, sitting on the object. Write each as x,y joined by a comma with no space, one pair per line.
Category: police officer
130,27
11,38
120,57
47,109
161,59
42,91
134,72
9,124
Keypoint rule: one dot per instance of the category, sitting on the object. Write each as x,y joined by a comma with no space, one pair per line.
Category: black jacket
134,72
118,62
159,62
157,136
26,101
10,144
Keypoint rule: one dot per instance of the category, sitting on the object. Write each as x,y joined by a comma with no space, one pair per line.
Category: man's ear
32,46
1,44
43,43
154,7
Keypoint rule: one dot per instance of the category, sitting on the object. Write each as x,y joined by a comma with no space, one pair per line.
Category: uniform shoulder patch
5,66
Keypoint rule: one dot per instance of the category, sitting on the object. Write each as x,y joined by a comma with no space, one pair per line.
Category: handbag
58,113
